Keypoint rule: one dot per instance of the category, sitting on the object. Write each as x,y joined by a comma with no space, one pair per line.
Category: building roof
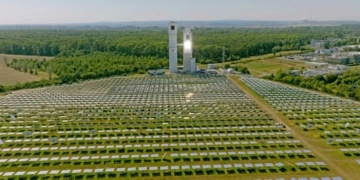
317,63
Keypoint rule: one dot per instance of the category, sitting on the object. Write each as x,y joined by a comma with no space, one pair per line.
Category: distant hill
213,24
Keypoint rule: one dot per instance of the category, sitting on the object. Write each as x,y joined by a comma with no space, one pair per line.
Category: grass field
355,67
9,76
268,66
252,58
265,64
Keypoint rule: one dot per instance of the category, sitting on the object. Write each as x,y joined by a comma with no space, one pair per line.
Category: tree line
102,64
82,67
209,43
31,66
344,85
93,53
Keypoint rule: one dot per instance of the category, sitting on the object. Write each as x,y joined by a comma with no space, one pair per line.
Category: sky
88,11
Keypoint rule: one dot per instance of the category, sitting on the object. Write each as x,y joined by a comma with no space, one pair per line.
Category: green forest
344,85
152,42
87,53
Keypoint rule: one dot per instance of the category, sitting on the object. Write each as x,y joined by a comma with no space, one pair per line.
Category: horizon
164,21
40,12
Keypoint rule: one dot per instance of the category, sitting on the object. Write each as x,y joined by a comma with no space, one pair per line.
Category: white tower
188,60
173,47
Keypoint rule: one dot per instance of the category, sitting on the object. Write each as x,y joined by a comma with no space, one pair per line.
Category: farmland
9,76
10,57
172,126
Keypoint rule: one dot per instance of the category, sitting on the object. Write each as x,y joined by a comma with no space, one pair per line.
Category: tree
330,78
5,60
2,88
238,42
49,71
276,49
327,45
357,93
280,75
86,53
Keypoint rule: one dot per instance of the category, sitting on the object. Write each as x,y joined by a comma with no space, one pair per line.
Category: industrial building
211,66
322,43
189,63
338,59
325,51
317,65
172,47
356,58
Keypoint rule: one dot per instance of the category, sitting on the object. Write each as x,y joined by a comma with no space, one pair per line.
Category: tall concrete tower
188,60
173,47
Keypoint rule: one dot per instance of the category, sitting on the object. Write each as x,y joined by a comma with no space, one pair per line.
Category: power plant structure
189,63
173,47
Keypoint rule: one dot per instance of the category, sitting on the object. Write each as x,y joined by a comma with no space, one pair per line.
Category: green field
265,64
271,66
262,57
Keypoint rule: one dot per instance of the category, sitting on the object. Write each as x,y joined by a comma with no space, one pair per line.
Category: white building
188,60
189,63
211,66
193,65
321,43
325,51
317,65
314,72
172,47
317,43
230,71
338,67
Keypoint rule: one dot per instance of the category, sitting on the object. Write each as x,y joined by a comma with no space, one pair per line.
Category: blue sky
83,11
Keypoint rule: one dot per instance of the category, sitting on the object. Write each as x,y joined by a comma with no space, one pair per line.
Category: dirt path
323,153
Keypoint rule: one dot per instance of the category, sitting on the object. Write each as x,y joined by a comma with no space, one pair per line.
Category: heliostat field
172,126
